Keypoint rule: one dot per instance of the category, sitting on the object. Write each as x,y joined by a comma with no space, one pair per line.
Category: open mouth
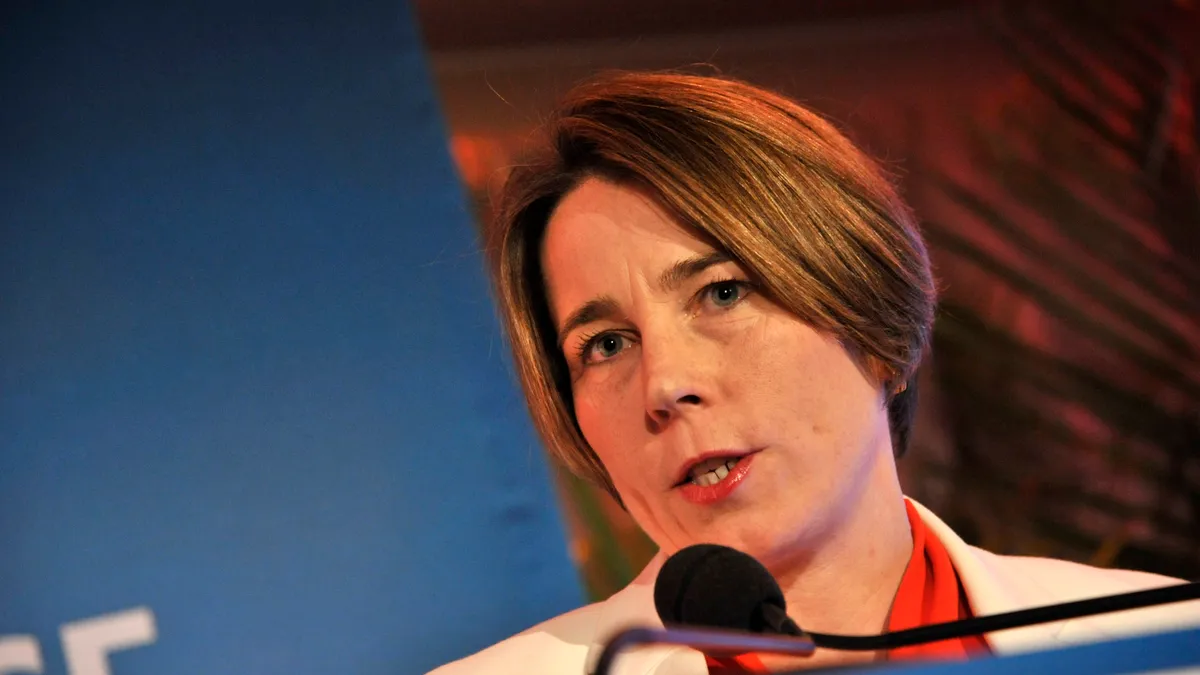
711,471
711,481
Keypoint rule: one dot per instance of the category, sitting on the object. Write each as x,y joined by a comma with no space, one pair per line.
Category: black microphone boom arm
799,643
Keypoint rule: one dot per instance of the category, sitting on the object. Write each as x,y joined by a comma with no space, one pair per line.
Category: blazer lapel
991,589
633,607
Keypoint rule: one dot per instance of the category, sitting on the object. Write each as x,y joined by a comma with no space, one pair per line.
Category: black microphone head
716,587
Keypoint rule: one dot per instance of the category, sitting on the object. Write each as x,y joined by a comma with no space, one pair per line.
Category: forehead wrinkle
602,307
646,277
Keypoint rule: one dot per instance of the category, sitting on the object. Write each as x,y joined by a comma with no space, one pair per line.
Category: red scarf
930,592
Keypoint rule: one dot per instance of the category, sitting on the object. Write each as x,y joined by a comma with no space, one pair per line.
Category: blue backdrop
255,412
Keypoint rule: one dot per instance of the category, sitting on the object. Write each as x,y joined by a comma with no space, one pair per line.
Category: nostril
690,399
656,421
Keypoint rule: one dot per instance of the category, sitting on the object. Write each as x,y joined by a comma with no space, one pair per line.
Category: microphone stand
707,640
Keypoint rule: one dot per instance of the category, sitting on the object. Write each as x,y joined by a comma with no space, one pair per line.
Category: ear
885,377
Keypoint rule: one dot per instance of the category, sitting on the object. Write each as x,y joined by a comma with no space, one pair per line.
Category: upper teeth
712,471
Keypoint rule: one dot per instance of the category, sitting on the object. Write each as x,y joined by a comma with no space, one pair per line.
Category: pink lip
711,494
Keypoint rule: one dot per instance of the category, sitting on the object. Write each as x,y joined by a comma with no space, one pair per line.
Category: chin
775,548
760,545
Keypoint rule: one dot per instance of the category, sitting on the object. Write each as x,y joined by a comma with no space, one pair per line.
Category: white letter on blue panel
87,643
20,654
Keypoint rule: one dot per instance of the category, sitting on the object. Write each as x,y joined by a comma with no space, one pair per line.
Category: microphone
720,587
726,601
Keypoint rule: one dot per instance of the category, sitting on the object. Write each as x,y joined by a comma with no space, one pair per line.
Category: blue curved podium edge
1175,651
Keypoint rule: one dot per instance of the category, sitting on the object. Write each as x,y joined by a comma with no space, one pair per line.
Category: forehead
602,234
600,220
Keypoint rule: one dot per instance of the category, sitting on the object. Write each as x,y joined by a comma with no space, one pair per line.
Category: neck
847,584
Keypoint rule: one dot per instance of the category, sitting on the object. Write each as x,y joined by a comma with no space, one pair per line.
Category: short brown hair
776,186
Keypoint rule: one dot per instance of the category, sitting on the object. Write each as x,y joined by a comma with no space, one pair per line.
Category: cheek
802,376
597,424
847,405
609,426
590,419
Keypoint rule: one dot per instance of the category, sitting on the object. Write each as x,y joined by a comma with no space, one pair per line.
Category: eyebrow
671,279
593,310
675,275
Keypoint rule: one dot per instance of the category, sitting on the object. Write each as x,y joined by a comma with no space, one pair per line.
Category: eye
726,293
603,347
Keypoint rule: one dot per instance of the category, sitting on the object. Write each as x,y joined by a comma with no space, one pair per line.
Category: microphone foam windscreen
716,587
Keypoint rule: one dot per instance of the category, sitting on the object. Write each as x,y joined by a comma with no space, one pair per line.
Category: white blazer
570,644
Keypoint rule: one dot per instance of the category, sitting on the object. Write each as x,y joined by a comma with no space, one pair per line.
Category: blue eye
726,293
604,346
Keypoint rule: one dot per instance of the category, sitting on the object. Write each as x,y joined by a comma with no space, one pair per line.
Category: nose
672,379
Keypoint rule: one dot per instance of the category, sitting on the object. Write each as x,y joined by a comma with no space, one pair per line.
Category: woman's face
720,416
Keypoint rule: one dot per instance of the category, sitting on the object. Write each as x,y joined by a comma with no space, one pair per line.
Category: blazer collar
994,588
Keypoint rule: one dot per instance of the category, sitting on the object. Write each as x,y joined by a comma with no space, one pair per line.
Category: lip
711,494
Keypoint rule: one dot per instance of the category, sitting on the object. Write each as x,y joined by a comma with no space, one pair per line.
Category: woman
717,305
